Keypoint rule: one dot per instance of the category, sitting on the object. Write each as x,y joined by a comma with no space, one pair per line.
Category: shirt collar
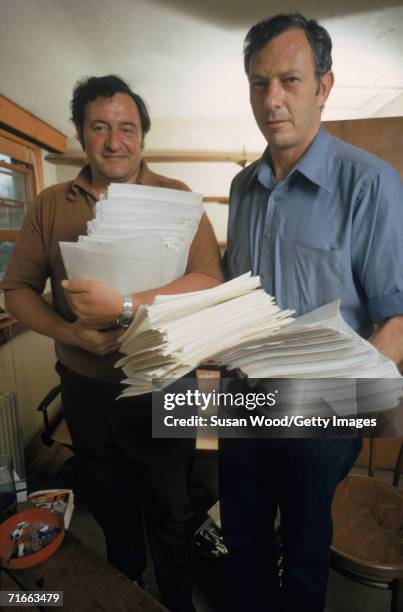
82,182
147,176
264,171
314,164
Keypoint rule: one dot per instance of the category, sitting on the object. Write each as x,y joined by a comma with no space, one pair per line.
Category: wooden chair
54,428
368,531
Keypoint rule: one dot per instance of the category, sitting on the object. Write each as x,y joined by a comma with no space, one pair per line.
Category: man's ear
325,86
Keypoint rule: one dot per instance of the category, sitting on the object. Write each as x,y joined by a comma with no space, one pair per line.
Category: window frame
35,175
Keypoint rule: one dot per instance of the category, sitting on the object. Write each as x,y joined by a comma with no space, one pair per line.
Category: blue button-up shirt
333,228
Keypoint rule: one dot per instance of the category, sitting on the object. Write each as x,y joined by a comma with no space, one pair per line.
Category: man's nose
274,97
113,140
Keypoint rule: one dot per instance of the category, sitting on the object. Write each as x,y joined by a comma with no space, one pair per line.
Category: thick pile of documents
240,326
172,336
139,239
316,345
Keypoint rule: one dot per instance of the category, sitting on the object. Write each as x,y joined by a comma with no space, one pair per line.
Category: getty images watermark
279,408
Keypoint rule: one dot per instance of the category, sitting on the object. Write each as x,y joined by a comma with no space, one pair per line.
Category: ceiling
185,56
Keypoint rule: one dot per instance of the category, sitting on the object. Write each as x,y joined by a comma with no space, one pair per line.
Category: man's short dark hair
90,88
264,31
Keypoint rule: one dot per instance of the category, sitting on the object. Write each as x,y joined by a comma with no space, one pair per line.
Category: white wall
27,369
204,134
49,171
210,179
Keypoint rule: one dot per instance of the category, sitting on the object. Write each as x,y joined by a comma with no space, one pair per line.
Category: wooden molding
16,118
38,168
216,199
18,139
159,157
241,159
9,234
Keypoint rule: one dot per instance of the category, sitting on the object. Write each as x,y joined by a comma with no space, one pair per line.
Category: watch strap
127,314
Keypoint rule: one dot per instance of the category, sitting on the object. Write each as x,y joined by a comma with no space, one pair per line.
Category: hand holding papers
139,239
239,325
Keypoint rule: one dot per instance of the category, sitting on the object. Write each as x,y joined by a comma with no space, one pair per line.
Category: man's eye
291,79
99,128
128,130
258,85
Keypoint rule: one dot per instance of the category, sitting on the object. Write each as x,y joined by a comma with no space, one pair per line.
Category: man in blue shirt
318,220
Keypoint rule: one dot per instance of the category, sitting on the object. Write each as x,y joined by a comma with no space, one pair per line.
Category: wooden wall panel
381,136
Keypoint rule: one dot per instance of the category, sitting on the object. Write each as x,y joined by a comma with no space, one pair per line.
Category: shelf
216,200
241,159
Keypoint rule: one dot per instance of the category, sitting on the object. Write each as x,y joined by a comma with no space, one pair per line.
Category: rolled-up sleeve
386,306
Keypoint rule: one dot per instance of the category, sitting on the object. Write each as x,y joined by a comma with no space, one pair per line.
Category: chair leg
397,596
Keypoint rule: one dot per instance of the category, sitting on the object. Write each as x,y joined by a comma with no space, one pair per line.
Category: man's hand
29,307
98,342
95,304
388,339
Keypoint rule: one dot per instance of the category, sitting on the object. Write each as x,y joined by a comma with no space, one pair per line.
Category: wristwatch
127,314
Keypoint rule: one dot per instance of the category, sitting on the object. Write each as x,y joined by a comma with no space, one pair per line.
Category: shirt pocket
318,276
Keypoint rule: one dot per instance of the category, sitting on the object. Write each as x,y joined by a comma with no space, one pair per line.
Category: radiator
10,432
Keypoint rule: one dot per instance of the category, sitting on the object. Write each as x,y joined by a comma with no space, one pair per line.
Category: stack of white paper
321,351
172,336
139,239
318,344
240,326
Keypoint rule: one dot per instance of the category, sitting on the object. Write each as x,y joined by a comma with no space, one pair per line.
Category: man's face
112,139
285,95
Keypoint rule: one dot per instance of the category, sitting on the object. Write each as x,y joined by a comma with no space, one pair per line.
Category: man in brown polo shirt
124,472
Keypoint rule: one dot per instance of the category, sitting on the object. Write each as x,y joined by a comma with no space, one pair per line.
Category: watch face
125,320
127,314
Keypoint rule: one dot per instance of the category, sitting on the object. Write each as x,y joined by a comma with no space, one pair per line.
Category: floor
343,594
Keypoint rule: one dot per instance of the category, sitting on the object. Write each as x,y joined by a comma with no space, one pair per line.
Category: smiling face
112,139
285,95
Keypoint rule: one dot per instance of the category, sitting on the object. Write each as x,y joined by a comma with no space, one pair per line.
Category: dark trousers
300,477
125,474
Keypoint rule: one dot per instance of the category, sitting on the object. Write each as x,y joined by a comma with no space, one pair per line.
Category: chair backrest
372,461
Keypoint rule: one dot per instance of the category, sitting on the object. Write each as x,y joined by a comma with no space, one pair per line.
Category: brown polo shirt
61,213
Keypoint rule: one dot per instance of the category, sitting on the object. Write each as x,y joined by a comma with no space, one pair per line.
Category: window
20,181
